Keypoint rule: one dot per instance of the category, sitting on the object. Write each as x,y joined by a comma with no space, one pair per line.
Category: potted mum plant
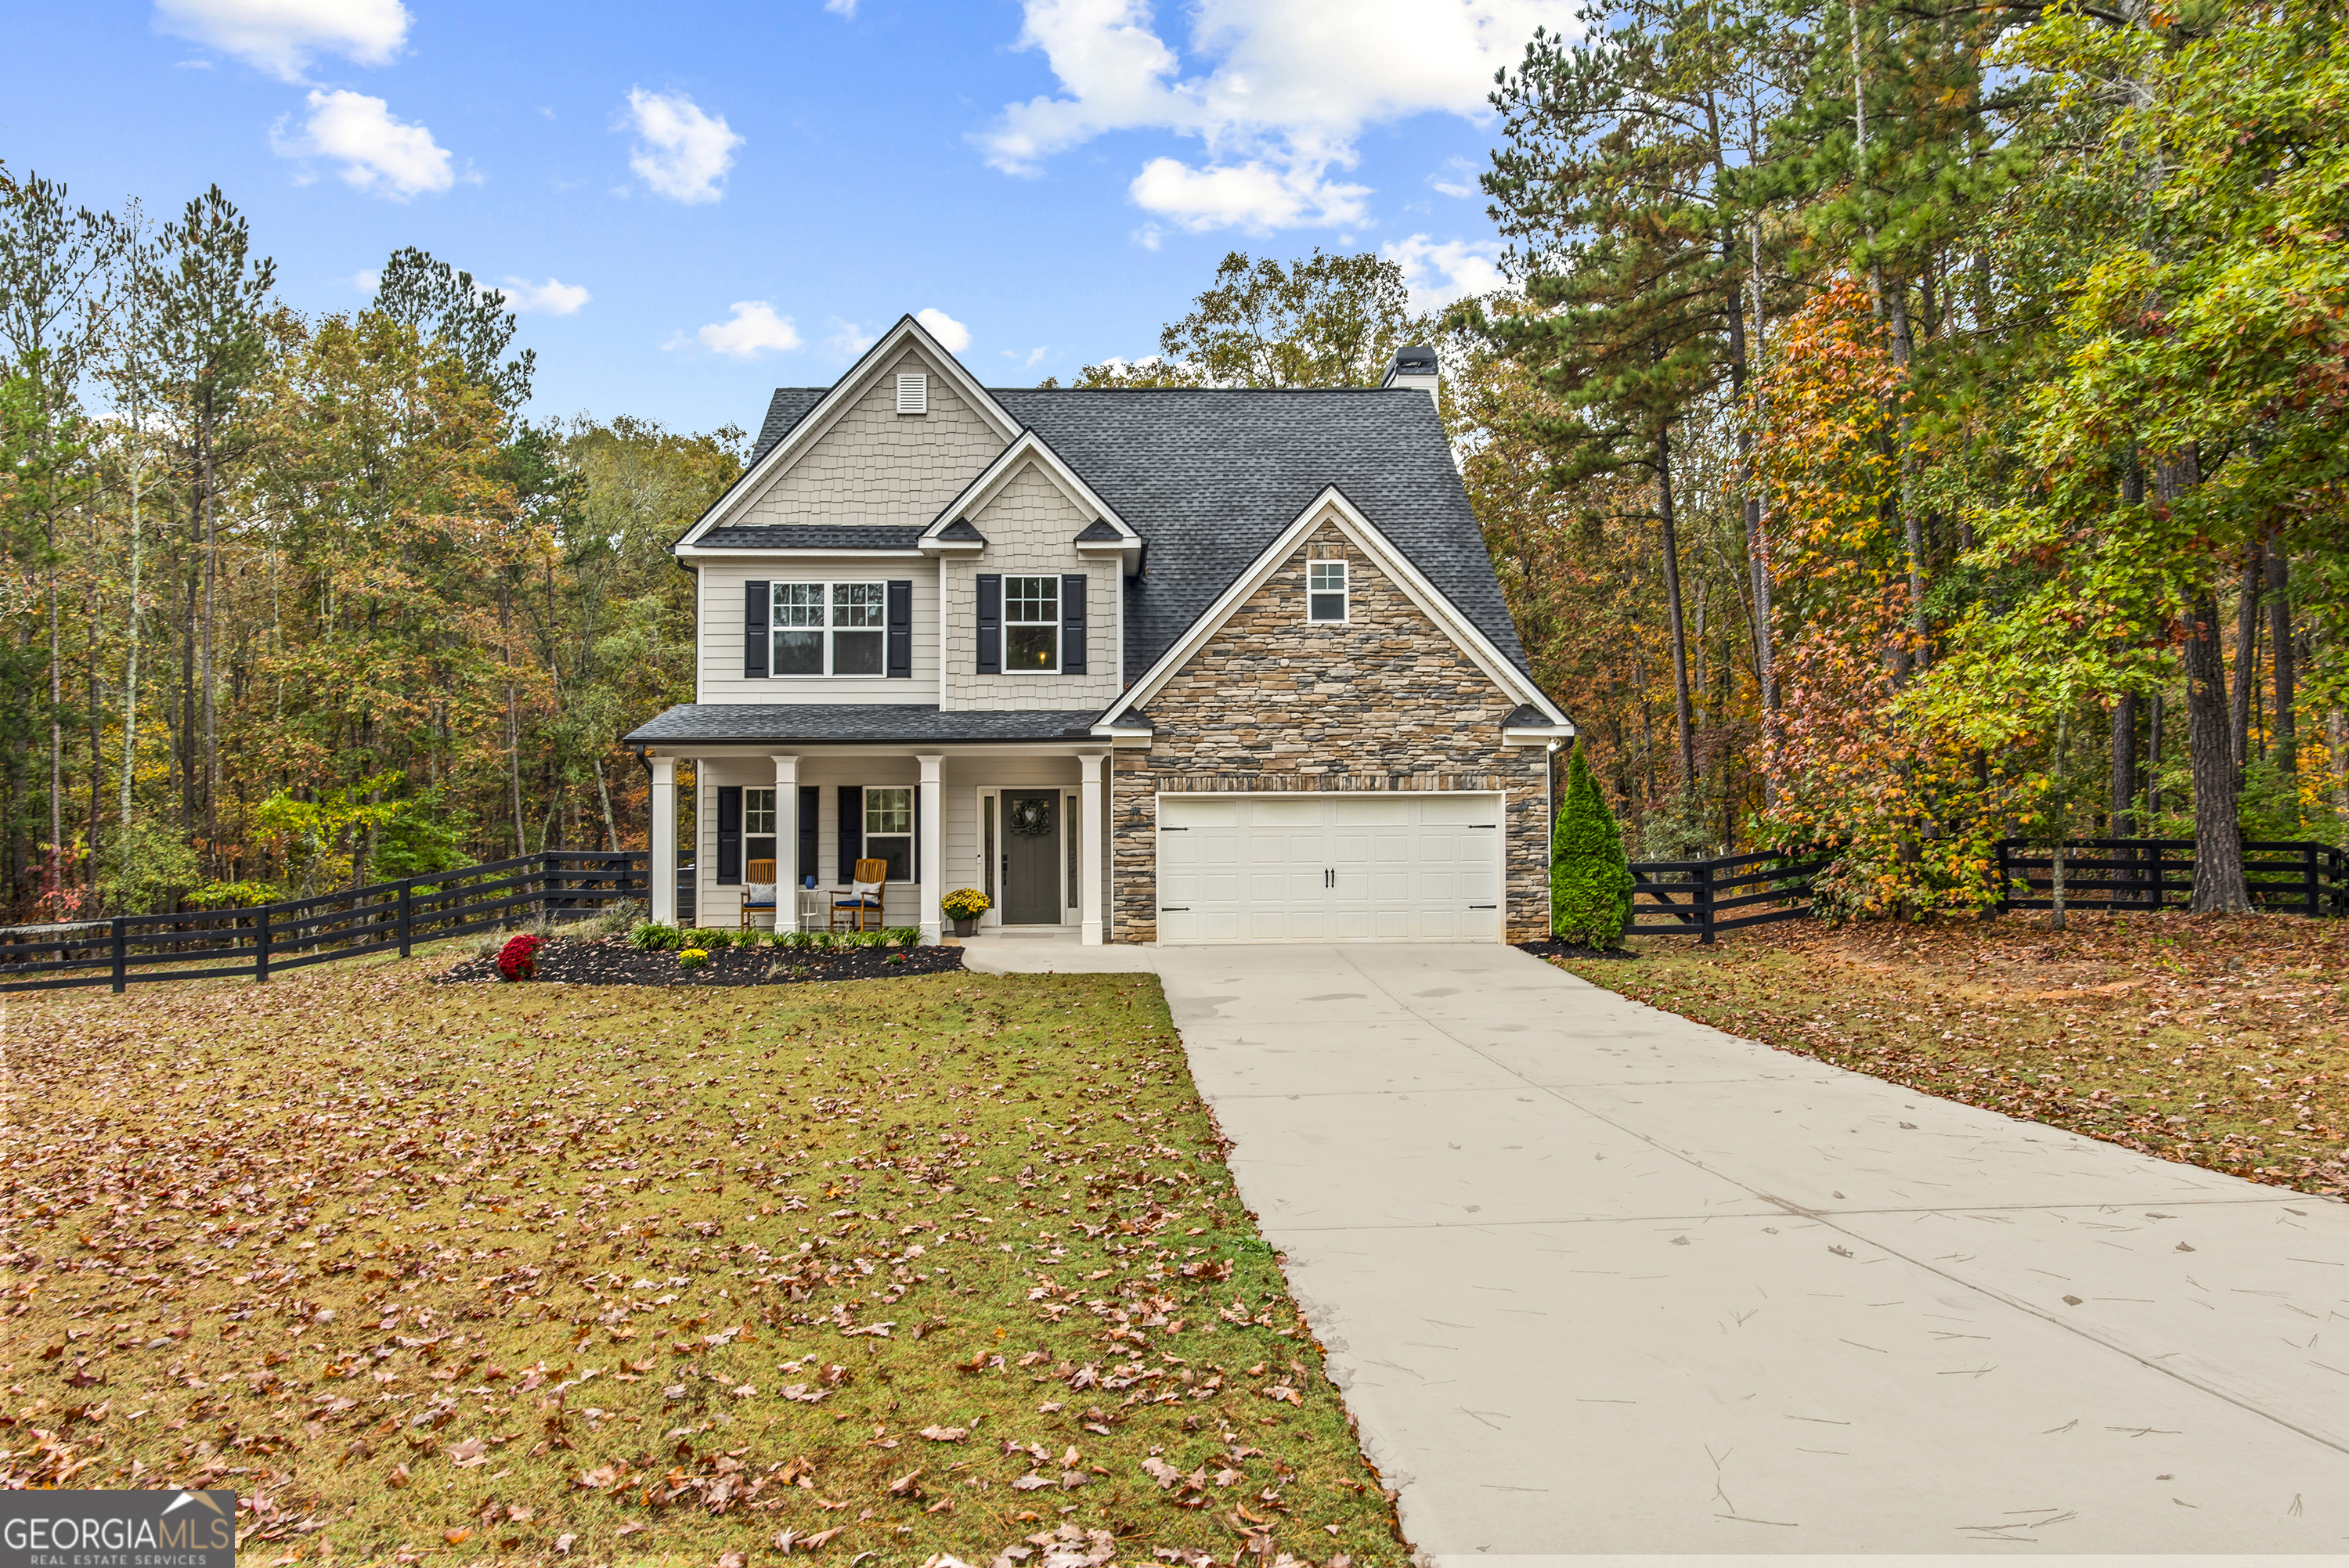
518,959
964,906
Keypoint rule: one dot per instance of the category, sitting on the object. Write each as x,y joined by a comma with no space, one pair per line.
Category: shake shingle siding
1208,478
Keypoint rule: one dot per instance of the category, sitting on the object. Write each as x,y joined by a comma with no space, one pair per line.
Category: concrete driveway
1598,1279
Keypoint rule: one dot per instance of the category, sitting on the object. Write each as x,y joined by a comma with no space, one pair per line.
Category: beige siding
964,777
1030,526
721,679
880,467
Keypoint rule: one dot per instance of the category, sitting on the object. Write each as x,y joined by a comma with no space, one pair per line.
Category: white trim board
843,394
1332,506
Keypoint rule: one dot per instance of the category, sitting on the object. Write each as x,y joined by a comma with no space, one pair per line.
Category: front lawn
2222,1041
454,1274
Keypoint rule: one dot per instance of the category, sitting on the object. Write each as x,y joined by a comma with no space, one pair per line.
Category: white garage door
1329,868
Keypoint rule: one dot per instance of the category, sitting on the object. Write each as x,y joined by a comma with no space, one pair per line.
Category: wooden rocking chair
863,898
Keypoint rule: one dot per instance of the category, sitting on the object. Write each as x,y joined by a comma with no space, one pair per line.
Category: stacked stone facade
1274,702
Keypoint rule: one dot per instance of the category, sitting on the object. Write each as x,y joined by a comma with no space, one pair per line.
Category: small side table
809,913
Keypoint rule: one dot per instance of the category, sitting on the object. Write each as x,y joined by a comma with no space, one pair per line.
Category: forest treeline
298,603
1909,426
1913,425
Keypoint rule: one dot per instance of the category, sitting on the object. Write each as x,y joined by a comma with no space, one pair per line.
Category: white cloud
280,35
1252,195
552,297
848,340
1291,86
841,8
685,150
1035,357
378,153
366,279
1438,274
755,329
952,335
1456,178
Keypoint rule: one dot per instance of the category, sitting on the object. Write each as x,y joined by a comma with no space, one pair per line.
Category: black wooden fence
1699,898
393,916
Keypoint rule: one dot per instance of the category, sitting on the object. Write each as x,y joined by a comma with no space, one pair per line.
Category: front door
1031,857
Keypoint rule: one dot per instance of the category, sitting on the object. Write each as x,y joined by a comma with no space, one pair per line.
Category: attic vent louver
913,393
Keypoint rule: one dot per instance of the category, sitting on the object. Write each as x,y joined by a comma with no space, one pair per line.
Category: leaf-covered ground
2222,1041
454,1274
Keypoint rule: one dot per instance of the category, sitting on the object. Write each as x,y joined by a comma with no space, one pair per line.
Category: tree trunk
1681,706
2287,724
2153,765
2247,657
130,666
212,724
2124,786
2219,882
603,798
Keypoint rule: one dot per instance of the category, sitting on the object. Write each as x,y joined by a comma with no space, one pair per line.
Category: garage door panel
1380,867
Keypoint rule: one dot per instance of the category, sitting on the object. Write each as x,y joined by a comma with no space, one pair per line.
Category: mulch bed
1553,948
613,962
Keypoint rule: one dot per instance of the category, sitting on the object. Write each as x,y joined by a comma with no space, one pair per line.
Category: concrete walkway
1597,1280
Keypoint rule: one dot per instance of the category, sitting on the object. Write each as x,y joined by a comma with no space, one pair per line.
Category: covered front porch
782,831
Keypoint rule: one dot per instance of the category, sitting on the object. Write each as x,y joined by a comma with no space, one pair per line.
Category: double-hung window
758,828
1031,624
831,628
889,830
1325,591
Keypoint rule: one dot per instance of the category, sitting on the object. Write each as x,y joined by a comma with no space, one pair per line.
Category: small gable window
1325,591
912,392
1031,624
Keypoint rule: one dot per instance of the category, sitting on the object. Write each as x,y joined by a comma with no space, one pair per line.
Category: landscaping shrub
518,959
710,938
1589,879
901,936
654,937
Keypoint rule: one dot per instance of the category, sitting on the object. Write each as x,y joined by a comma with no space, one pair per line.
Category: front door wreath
1031,818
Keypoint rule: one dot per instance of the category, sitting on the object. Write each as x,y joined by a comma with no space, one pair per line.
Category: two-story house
1149,666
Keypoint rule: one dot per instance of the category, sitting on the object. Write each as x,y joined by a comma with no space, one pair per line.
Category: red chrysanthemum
518,959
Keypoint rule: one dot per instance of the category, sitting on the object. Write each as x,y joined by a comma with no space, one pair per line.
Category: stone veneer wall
1274,702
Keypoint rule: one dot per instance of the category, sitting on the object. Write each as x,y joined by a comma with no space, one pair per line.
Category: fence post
261,942
2308,899
1704,897
121,954
407,914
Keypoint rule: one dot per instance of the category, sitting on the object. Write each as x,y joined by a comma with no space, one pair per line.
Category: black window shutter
852,832
810,803
990,622
901,631
730,835
1072,624
757,598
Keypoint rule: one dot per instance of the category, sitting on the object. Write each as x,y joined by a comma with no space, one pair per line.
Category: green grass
454,1272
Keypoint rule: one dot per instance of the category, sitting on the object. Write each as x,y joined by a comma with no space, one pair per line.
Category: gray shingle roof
1099,533
1208,478
961,531
810,536
820,724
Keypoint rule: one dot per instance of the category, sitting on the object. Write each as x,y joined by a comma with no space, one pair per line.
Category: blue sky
692,203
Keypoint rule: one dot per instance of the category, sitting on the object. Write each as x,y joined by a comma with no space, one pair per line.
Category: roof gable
1332,507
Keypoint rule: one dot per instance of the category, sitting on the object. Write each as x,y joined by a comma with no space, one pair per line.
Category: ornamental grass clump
1590,878
655,936
518,959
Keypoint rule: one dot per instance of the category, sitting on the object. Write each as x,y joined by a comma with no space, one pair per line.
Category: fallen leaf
471,1452
1031,1482
946,1434
456,1537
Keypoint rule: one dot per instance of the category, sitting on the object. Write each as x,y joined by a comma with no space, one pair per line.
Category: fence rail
393,916
1699,898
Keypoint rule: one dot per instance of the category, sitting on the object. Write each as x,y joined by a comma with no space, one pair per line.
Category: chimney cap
1415,361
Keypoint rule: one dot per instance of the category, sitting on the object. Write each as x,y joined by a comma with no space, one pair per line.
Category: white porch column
663,869
787,843
933,845
1088,852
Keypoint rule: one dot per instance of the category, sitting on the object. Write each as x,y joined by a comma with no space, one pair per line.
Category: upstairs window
830,629
1031,624
912,392
1325,591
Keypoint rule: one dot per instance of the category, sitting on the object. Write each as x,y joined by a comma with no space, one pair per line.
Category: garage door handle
1484,906
1173,909
1329,879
